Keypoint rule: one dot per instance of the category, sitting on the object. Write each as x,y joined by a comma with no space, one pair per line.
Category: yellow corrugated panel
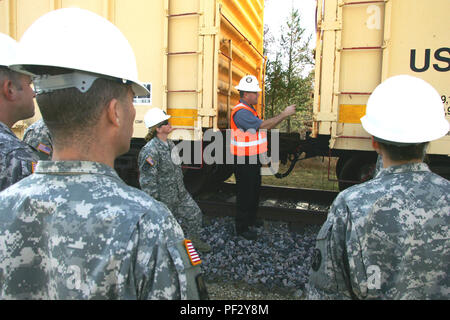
242,24
244,15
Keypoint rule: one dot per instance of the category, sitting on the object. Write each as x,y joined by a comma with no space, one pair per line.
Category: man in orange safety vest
248,142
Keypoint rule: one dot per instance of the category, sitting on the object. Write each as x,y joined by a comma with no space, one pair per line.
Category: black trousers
248,185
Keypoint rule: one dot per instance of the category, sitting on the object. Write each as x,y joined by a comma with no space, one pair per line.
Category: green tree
296,51
275,86
285,82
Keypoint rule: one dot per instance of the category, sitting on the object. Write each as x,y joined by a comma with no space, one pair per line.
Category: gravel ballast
275,266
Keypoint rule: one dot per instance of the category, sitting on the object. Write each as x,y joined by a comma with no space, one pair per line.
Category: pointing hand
290,110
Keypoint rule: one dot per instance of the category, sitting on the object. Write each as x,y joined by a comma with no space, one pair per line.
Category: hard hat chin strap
49,83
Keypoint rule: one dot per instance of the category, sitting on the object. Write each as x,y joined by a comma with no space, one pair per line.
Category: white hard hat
249,84
8,50
155,116
81,40
405,109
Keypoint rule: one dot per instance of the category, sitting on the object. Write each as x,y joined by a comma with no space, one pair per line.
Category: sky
277,11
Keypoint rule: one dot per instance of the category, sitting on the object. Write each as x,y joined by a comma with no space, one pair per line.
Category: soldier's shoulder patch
44,148
150,161
192,253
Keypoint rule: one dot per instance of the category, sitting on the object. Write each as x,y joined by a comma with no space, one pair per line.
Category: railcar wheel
340,163
357,169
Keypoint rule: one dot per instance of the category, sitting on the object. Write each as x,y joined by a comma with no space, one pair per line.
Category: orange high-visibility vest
246,143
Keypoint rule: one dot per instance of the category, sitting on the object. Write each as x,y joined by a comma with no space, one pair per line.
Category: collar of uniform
248,105
6,129
75,167
408,167
162,144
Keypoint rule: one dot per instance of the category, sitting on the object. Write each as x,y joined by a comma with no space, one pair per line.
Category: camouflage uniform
38,137
17,159
163,180
387,238
75,230
378,166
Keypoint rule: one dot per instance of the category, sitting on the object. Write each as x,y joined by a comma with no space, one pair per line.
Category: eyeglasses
164,123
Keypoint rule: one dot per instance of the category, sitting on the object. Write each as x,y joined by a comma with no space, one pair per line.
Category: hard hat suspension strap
49,83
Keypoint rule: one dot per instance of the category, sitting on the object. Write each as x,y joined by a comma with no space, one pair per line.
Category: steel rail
310,198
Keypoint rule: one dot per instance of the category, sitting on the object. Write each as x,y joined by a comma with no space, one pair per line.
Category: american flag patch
192,253
43,148
150,161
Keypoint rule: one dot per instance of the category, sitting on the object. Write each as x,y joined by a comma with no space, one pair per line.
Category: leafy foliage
287,79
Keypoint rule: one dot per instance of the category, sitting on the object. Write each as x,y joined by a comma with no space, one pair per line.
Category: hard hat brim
139,89
151,124
254,90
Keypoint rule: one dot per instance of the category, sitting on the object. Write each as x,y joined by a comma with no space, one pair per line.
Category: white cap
81,40
249,84
405,109
155,116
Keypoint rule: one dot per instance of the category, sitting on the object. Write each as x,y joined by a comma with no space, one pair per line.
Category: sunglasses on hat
164,123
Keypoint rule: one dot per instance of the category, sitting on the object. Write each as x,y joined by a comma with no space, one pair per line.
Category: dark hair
405,153
241,94
69,112
8,74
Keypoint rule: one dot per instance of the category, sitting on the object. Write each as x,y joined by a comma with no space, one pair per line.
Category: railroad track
298,207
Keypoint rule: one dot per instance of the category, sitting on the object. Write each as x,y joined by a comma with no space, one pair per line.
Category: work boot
248,234
200,245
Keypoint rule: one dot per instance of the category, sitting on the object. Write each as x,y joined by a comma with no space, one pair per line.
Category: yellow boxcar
190,54
360,44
